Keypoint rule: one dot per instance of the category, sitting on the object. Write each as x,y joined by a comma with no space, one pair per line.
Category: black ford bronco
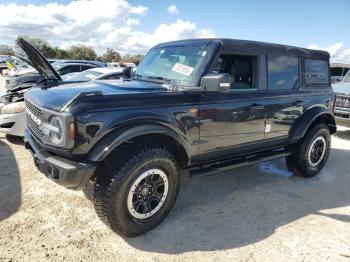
193,106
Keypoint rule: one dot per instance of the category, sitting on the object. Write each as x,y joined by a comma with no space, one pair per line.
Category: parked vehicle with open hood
199,106
12,107
62,67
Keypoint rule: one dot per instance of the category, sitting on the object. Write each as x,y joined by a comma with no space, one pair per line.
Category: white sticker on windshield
162,51
182,69
204,53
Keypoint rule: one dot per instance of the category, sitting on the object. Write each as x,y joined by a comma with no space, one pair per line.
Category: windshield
86,75
180,64
347,77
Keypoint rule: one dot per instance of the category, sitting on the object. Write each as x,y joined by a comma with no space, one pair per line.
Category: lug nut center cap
144,191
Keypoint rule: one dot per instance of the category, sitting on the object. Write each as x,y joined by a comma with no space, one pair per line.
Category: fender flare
299,129
115,138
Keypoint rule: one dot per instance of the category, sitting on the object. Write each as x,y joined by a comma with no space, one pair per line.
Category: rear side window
69,69
283,72
316,72
85,67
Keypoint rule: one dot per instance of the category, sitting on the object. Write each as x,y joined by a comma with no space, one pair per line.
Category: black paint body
210,126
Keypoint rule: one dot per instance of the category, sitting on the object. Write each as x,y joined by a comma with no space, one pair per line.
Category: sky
134,26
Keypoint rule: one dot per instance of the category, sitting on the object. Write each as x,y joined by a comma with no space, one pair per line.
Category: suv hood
58,97
38,60
342,88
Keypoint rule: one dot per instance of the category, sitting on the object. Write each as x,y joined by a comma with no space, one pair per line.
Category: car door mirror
127,72
216,82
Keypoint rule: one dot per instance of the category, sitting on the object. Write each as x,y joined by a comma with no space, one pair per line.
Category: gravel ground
258,213
261,213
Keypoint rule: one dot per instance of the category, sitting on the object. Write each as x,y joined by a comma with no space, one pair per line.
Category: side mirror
127,72
216,82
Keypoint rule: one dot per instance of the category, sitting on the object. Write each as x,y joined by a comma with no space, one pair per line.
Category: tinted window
283,72
85,67
316,72
241,68
69,69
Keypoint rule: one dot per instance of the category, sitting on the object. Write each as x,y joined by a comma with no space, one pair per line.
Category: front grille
32,125
343,101
35,110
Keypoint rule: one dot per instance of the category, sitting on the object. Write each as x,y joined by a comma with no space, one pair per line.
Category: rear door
234,122
284,103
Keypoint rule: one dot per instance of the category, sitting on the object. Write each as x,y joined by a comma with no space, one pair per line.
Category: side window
242,69
85,67
283,72
69,69
316,72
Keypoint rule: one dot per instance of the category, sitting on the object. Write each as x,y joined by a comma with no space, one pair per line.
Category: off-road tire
112,185
298,162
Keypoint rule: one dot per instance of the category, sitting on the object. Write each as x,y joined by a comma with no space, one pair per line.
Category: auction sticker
182,69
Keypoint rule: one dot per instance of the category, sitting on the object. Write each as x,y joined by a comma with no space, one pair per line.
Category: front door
233,123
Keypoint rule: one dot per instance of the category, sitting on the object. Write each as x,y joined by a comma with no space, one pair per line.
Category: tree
136,59
6,50
110,56
60,53
45,47
81,52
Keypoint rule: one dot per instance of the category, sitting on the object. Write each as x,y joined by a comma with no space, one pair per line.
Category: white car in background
12,118
100,73
12,112
117,64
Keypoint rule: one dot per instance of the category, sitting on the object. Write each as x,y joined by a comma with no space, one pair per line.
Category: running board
237,163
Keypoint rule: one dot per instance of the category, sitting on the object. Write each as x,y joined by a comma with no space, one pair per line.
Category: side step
220,167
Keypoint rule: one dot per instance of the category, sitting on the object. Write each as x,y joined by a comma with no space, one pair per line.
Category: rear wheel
310,155
135,197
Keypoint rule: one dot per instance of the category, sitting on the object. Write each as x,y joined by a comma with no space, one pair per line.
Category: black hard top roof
252,47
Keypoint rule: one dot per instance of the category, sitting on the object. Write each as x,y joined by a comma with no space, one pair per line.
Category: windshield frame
212,47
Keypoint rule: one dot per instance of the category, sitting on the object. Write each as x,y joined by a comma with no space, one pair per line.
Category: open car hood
38,60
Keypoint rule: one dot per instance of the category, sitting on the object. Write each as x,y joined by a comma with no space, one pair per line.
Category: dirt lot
259,213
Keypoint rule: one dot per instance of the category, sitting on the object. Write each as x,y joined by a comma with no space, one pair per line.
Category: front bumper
13,124
65,172
342,116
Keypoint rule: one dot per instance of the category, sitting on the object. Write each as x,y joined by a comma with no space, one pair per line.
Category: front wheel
135,197
310,155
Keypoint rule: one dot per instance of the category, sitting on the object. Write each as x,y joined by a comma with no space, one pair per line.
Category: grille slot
34,127
35,110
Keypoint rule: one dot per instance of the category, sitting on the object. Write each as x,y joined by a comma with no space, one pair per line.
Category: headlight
56,134
13,108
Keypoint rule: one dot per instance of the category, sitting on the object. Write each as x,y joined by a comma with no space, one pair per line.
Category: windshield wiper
160,78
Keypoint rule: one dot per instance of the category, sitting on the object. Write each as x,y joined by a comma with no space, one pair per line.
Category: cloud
138,41
172,9
337,51
96,23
